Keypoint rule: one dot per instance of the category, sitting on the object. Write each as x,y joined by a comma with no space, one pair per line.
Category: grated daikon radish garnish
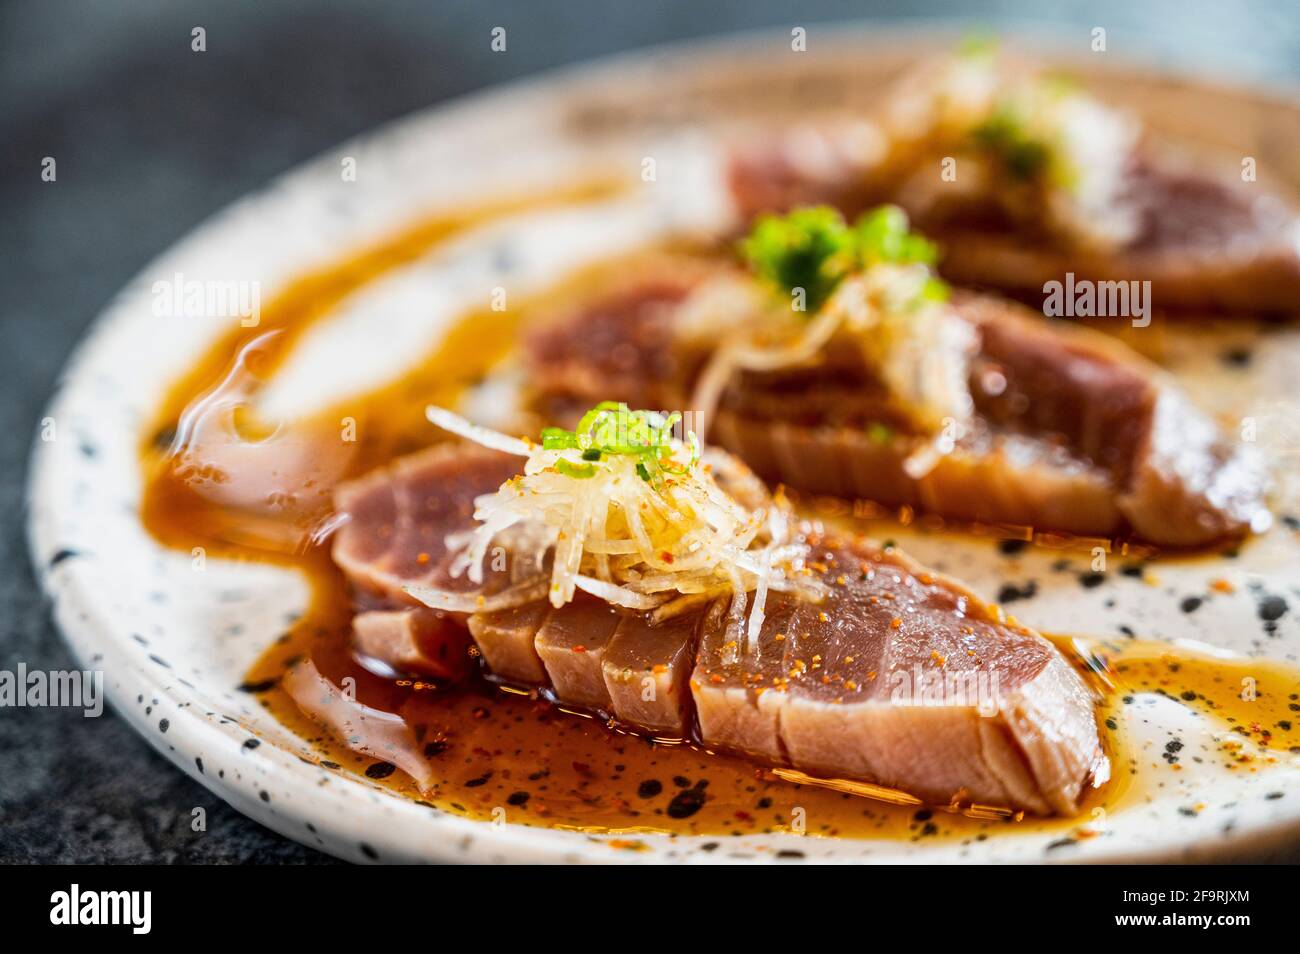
632,514
1045,151
870,287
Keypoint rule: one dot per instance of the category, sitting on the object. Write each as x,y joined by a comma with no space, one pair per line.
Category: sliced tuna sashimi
419,642
647,672
506,640
898,677
398,520
907,679
571,642
1203,243
1072,432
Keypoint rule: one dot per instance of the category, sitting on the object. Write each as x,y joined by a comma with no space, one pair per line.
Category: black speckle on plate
686,803
1010,593
61,555
1236,357
1271,607
263,685
650,788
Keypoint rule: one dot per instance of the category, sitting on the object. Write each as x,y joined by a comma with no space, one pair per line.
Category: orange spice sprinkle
422,557
939,659
1222,585
896,622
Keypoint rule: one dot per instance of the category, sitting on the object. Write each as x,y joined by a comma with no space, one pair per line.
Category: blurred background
151,139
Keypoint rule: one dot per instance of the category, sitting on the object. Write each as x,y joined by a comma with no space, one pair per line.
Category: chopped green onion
1004,135
814,249
809,249
612,429
556,438
883,236
578,471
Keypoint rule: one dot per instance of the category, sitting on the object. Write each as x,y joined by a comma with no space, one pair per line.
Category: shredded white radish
454,602
618,595
641,526
456,424
1086,145
920,350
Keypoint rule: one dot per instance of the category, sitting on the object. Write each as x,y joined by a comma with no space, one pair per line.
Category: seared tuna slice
571,643
647,672
1072,431
398,519
842,687
506,638
1202,243
907,679
419,642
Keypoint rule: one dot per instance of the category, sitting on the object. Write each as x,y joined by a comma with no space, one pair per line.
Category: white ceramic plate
174,644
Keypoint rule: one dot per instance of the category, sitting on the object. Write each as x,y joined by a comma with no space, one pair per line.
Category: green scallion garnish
814,249
611,429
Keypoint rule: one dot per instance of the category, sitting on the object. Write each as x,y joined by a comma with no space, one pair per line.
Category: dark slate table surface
151,139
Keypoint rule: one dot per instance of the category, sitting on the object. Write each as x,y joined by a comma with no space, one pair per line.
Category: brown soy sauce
496,752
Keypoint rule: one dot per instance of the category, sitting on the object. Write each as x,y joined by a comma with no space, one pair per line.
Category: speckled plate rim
318,807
